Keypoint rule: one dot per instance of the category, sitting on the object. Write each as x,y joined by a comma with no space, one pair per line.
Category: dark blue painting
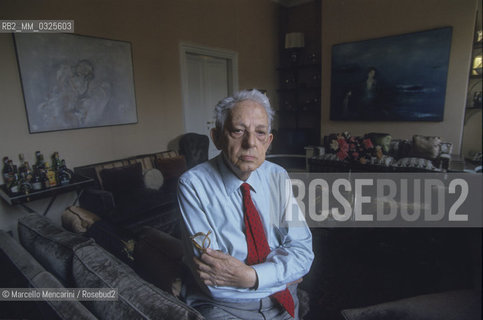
397,78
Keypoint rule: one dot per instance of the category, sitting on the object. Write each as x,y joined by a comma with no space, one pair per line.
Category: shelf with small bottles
26,183
77,182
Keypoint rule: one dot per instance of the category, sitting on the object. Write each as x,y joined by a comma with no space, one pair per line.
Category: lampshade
294,40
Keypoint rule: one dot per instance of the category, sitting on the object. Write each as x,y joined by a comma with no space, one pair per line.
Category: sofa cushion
12,253
93,267
116,240
21,270
446,148
172,168
153,179
451,305
123,180
139,204
76,219
58,309
426,146
404,149
351,148
381,139
52,246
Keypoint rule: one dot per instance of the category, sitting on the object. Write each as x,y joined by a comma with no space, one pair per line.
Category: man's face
245,138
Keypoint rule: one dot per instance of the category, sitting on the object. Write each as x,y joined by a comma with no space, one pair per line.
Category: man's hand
218,269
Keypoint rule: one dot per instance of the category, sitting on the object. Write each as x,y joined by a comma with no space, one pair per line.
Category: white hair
224,106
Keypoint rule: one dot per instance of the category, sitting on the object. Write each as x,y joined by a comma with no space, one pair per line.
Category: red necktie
257,244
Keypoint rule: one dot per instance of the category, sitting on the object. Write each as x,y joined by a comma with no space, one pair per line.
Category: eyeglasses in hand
201,240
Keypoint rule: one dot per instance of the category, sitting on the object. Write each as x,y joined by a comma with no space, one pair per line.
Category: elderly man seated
245,254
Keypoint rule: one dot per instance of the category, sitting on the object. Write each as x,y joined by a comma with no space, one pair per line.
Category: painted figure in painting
74,100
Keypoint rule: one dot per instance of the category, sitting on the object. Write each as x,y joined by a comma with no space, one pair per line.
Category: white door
207,78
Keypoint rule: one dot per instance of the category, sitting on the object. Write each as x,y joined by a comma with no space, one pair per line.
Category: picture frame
394,78
72,81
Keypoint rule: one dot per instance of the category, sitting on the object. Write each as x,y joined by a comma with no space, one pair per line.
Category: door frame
191,48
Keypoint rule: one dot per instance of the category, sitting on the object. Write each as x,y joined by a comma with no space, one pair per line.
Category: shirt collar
231,181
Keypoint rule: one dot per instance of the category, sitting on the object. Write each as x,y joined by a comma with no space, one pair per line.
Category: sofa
47,256
134,192
379,152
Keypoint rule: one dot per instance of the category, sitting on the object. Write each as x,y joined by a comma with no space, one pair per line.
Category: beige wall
472,133
155,28
353,20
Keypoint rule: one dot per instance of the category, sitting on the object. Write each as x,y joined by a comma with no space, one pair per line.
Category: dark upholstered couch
134,192
50,257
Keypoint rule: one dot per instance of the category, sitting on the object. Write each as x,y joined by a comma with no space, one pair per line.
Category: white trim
231,56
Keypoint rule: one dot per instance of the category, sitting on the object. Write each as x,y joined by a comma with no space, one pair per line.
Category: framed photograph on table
71,81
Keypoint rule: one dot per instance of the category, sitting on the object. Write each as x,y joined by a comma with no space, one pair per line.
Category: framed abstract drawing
71,81
396,78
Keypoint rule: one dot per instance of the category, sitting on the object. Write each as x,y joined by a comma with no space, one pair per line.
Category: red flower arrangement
347,147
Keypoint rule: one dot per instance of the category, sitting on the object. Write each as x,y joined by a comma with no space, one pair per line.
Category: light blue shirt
210,199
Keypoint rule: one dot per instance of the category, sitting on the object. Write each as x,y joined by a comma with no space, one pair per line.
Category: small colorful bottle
50,175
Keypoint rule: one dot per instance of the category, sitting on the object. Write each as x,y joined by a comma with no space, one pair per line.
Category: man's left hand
218,269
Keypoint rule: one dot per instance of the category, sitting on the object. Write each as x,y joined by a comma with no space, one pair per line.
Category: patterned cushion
351,148
425,146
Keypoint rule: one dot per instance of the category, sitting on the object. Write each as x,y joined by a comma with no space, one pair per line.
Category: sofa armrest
158,259
98,201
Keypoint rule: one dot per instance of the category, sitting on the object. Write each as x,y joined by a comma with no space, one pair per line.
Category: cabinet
299,101
472,130
474,98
